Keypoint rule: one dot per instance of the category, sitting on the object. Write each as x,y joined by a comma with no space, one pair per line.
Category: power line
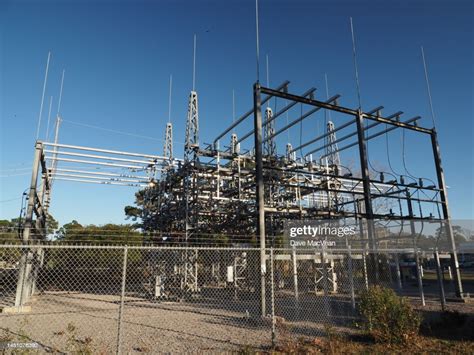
61,92
15,169
354,53
115,131
428,87
9,200
11,175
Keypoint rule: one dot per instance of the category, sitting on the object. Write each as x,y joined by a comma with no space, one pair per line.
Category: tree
51,223
115,233
444,243
9,230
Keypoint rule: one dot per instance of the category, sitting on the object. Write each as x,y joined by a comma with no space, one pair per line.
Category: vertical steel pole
196,270
54,161
367,193
398,272
32,193
446,214
419,277
23,271
389,270
20,286
415,250
325,283
260,201
439,276
273,296
295,273
351,275
364,252
122,297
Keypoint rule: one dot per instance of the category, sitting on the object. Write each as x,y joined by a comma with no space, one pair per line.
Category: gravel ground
70,322
75,322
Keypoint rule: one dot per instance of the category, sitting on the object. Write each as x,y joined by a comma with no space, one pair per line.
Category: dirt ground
85,322
77,322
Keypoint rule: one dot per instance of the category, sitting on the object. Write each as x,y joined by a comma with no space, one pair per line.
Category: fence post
351,276
272,275
397,272
21,284
440,280
366,274
419,278
122,296
325,283
295,273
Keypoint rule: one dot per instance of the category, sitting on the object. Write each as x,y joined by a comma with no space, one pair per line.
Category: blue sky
118,56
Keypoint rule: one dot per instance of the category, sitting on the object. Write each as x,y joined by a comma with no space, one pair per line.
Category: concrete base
16,309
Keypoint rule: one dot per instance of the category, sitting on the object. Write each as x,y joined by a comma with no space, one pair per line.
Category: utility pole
260,200
367,193
446,215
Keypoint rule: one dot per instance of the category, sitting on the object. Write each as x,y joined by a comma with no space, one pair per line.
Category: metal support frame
446,213
269,146
416,255
260,198
192,123
237,191
439,276
27,271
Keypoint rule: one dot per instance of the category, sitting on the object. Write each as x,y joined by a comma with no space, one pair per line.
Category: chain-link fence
173,299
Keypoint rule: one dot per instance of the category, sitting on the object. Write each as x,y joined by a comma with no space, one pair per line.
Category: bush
388,317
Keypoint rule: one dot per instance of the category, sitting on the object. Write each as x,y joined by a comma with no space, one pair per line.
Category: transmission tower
290,155
269,147
192,126
168,147
234,144
333,163
332,151
189,280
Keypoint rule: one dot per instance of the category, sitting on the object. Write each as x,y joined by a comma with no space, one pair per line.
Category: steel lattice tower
192,125
234,144
269,148
168,147
332,151
290,155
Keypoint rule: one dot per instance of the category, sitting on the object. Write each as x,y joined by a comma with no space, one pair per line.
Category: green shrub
387,317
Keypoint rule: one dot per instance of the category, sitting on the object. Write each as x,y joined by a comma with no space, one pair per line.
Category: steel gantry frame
367,181
78,164
246,195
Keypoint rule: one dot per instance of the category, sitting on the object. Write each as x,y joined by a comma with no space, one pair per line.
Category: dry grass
449,332
342,345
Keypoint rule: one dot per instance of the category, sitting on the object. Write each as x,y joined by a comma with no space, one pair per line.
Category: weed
388,318
74,344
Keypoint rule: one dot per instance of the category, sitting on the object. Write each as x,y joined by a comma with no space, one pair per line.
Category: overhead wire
12,175
116,131
11,199
15,169
388,153
368,156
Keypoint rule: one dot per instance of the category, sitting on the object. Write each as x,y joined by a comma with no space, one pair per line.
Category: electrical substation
241,190
301,214
223,189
